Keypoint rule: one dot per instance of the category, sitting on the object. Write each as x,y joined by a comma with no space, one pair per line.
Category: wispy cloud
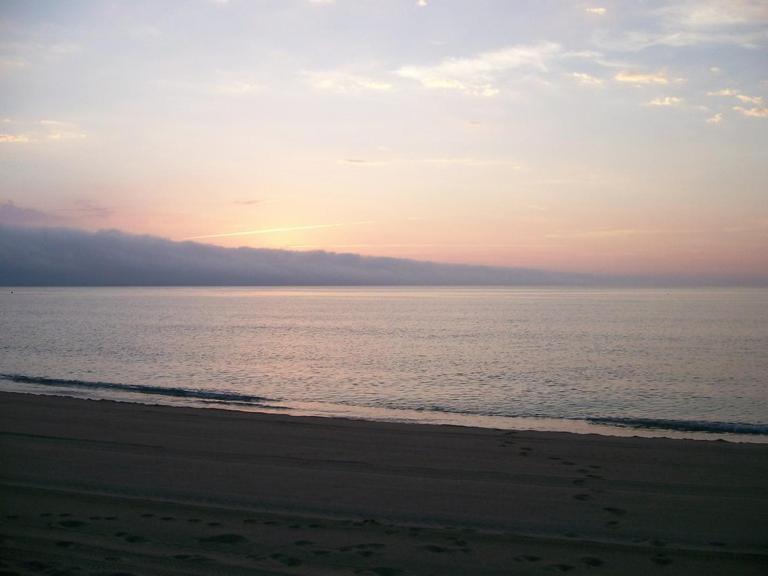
744,98
724,92
481,75
755,112
715,119
276,230
9,64
639,78
40,131
345,83
597,10
698,22
586,79
749,99
15,139
665,101
435,160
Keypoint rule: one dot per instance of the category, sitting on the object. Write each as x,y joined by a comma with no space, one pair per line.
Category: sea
676,362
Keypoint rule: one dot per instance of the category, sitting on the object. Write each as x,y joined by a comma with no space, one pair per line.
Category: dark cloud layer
67,257
15,215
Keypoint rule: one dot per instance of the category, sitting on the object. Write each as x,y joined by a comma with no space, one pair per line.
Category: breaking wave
138,389
685,425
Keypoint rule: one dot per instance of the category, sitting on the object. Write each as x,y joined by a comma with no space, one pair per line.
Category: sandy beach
97,487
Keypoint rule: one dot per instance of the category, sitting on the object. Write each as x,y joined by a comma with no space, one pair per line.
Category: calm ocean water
671,362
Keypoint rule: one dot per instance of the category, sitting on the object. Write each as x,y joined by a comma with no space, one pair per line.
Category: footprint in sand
365,553
167,518
223,539
72,523
136,539
436,549
286,560
582,497
527,558
662,560
563,567
592,561
194,520
386,571
615,511
147,515
64,544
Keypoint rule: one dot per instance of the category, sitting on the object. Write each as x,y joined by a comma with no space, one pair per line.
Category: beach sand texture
96,487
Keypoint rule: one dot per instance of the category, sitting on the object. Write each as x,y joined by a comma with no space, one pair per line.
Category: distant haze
68,257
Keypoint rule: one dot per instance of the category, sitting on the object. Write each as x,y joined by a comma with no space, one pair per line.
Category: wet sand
91,487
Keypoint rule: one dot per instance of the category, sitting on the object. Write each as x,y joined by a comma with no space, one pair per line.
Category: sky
598,137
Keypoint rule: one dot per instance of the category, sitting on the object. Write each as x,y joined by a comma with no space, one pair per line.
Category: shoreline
277,494
603,426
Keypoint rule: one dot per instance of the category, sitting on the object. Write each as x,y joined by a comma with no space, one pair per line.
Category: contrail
271,230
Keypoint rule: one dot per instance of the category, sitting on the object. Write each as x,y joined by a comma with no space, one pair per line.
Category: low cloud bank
68,257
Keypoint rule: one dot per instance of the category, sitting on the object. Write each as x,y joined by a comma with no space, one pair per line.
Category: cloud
723,92
713,14
421,3
276,230
437,160
481,75
744,98
716,119
698,22
665,101
88,209
752,112
14,215
345,83
749,99
40,131
640,78
11,64
586,79
15,138
56,257
598,10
